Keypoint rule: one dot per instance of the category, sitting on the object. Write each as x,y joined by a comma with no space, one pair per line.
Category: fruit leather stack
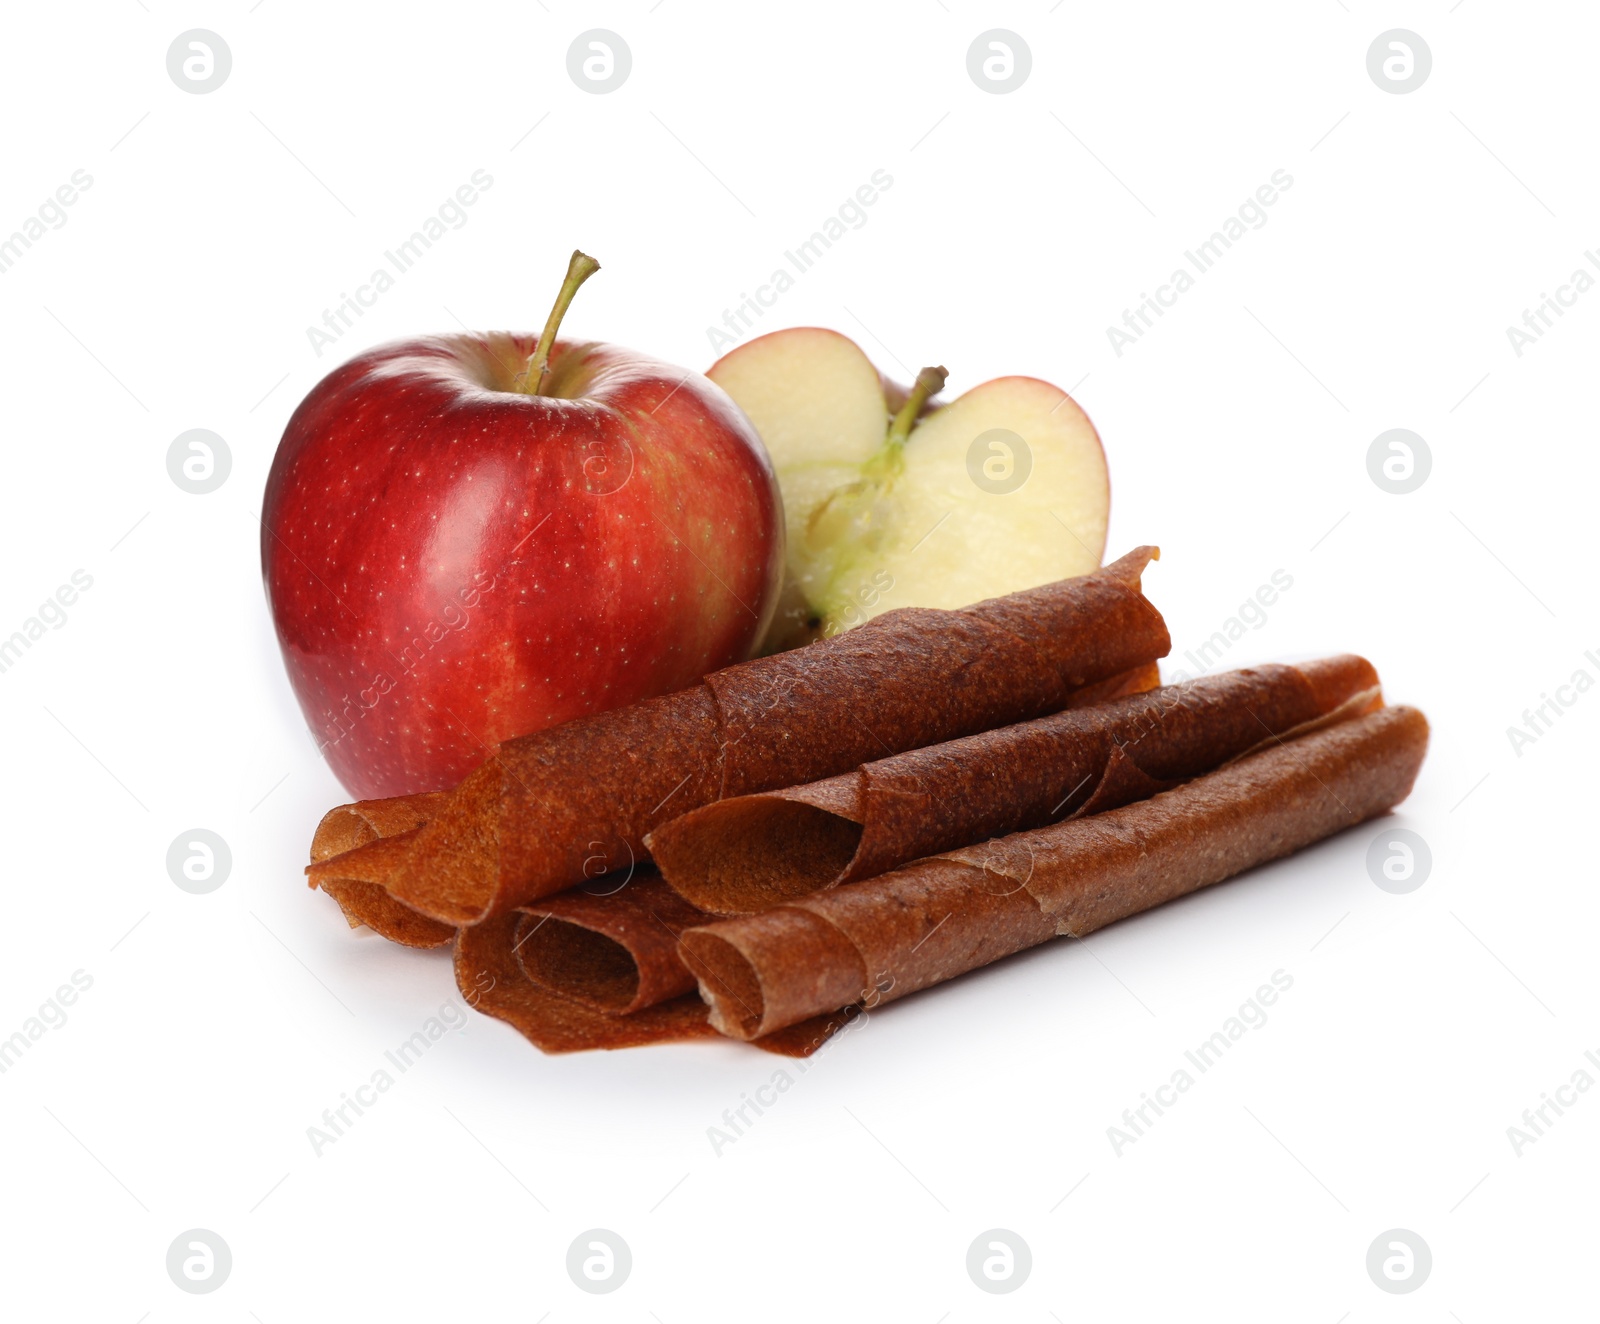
829,828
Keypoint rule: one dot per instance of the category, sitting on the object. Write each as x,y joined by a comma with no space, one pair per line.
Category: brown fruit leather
353,877
774,782
741,855
904,931
492,981
615,949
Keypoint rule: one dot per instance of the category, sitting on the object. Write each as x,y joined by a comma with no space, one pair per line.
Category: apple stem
579,269
930,381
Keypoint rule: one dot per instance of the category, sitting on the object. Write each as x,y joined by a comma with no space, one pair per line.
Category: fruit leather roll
614,947
354,849
550,810
747,853
489,960
493,981
940,917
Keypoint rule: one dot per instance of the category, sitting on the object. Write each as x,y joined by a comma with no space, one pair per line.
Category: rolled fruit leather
741,855
488,971
940,917
384,828
614,943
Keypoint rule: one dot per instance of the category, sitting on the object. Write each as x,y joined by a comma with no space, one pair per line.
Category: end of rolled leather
1131,566
1125,684
1341,680
345,827
745,854
773,970
367,905
580,962
342,829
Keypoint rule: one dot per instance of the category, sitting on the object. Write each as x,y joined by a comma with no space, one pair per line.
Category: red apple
471,537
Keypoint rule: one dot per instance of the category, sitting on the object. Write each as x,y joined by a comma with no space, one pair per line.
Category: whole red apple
470,537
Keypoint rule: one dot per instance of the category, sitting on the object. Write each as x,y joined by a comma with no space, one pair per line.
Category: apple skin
450,562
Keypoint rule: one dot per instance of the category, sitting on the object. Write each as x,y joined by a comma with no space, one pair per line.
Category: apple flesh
1002,489
451,560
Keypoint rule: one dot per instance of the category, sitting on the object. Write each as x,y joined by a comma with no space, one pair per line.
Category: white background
1018,227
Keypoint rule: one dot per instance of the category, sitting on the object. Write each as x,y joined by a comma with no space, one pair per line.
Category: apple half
893,501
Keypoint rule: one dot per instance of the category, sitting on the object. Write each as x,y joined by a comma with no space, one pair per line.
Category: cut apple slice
819,406
1000,490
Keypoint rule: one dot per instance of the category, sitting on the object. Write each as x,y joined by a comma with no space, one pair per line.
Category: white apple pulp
1002,489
